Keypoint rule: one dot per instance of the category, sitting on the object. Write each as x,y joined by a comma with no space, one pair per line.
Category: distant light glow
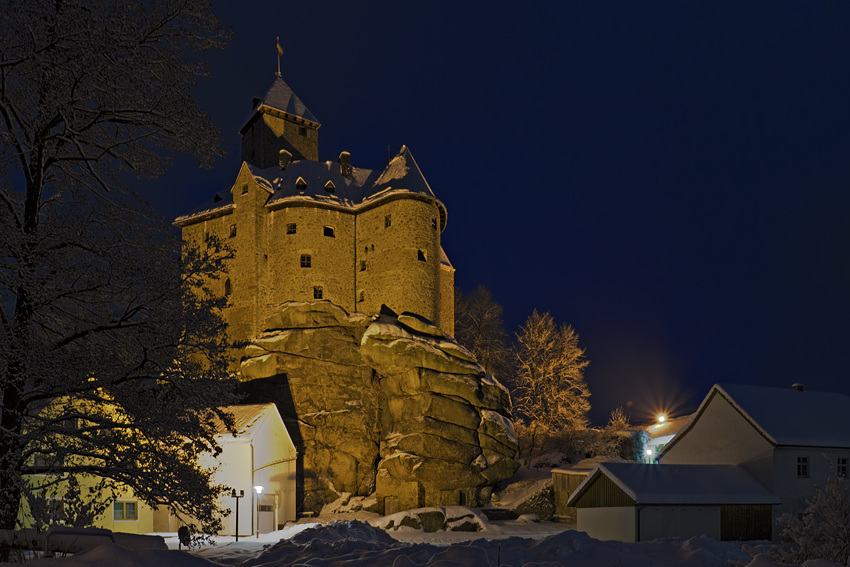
649,452
259,489
661,418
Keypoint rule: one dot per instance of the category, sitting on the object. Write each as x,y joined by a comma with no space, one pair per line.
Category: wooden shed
566,479
641,502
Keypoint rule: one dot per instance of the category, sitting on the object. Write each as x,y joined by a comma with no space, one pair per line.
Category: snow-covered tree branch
112,348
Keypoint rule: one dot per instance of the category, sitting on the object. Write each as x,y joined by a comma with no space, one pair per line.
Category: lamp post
237,497
259,490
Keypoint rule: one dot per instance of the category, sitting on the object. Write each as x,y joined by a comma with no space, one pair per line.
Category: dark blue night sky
671,178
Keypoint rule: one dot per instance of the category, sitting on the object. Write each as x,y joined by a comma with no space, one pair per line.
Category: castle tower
280,121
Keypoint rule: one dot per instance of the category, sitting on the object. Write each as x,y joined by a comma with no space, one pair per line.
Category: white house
641,502
259,454
788,439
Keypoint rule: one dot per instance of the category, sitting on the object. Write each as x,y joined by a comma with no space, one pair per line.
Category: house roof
671,426
364,187
785,416
584,466
246,419
680,484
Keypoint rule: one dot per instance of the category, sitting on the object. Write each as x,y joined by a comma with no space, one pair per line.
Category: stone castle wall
272,132
364,265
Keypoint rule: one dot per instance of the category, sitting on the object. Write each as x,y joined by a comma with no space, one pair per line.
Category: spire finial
279,53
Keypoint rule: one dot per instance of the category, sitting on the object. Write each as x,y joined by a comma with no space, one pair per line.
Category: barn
640,502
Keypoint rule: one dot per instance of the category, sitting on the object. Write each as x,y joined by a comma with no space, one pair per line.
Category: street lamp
259,490
237,497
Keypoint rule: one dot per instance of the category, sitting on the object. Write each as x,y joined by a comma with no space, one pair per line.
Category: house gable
720,434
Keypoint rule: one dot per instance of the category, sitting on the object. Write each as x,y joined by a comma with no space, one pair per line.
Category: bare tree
550,385
97,309
479,327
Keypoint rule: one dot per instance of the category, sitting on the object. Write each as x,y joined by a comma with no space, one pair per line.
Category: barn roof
679,484
785,416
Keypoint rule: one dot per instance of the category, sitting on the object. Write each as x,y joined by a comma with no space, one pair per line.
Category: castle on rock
305,230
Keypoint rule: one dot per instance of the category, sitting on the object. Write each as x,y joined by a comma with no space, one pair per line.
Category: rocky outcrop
384,404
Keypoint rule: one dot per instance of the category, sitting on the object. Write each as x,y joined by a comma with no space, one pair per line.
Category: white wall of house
679,521
614,523
793,489
722,436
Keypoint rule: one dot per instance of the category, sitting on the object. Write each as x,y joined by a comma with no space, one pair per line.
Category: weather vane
279,53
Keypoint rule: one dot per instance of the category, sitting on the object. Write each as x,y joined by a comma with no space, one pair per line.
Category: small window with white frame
802,467
841,467
125,510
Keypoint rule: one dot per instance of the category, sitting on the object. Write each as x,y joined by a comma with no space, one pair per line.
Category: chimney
798,387
284,159
345,164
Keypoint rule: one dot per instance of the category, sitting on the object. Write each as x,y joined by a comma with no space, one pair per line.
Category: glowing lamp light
259,489
649,452
661,418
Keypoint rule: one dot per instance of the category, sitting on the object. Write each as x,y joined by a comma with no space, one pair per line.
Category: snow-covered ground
516,543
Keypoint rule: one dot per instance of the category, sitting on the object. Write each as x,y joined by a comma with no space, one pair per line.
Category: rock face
387,405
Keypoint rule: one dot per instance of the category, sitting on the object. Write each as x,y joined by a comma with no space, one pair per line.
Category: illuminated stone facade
305,230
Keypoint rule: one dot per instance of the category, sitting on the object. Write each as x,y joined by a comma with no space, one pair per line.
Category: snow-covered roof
246,419
670,427
280,97
680,484
363,188
584,466
786,416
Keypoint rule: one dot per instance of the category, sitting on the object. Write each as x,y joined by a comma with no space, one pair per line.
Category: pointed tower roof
282,99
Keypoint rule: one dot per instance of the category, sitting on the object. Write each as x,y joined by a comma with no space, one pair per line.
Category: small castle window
232,230
245,189
206,236
366,250
373,248
388,221
330,187
227,287
434,224
306,261
317,292
329,231
362,265
302,130
290,228
422,257
301,185
362,296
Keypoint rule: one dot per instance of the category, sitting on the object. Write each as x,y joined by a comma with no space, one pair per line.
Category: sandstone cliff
386,404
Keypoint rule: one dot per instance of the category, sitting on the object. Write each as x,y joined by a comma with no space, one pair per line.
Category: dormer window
329,231
301,185
330,187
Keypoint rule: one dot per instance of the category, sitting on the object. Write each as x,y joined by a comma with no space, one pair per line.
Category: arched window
227,287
